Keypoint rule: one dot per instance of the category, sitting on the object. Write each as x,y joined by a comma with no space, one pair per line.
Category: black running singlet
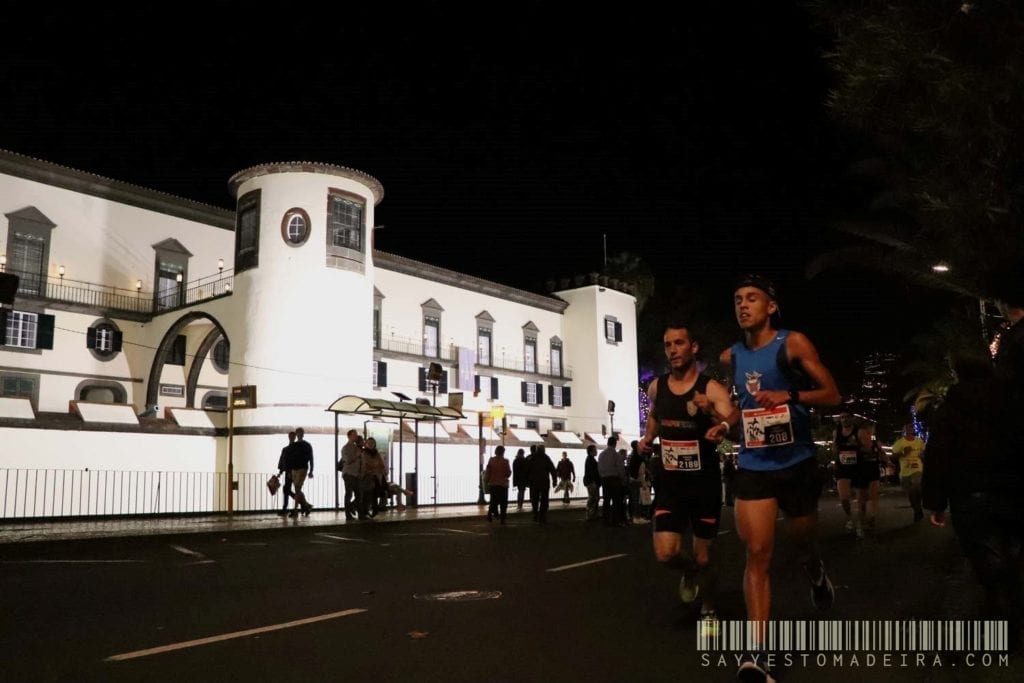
681,428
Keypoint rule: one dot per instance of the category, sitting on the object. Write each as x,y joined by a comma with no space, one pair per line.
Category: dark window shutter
118,340
494,387
3,326
423,379
522,387
618,332
90,338
443,386
551,394
540,394
44,337
476,383
566,396
382,374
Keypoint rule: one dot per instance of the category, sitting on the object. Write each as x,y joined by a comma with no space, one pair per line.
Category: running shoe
708,624
688,588
822,592
752,671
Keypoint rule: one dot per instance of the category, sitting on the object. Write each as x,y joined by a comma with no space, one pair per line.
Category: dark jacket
539,469
633,464
590,473
969,449
566,470
519,472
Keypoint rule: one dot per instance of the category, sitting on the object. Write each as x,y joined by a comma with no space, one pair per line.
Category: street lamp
220,265
941,267
3,262
60,271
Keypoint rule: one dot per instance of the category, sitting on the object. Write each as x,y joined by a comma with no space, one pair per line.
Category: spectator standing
497,473
520,478
566,477
540,468
592,480
352,473
611,465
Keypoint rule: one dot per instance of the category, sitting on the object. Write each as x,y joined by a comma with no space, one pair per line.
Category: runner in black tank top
685,406
856,468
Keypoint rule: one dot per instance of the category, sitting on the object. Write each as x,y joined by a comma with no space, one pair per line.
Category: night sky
509,138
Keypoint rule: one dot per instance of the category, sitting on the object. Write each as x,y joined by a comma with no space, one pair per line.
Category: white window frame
530,359
374,373
609,330
104,338
22,329
346,223
484,344
431,346
531,394
556,397
485,388
556,360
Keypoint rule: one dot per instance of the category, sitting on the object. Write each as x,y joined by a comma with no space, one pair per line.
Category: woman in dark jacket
519,479
497,473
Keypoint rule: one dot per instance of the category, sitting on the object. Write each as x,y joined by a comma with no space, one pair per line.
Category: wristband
794,396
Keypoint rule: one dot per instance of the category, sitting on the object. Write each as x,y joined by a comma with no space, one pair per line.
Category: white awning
473,432
426,430
566,437
526,435
600,439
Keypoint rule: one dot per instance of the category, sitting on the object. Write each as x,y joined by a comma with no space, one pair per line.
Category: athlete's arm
865,440
651,429
800,349
722,410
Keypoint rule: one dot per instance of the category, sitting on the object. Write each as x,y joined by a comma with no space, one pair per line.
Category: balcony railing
414,347
71,291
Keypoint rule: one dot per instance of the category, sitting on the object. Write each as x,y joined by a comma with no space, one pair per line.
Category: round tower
301,313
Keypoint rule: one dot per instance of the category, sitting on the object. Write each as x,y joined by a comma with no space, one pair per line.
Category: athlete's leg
707,577
755,523
874,489
843,488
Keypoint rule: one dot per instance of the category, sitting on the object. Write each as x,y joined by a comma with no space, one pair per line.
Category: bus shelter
383,409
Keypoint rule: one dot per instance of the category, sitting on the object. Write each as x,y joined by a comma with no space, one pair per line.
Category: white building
137,310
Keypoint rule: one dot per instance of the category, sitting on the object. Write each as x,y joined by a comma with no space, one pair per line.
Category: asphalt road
327,604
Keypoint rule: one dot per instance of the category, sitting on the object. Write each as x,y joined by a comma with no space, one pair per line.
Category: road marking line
229,636
461,531
344,538
583,564
193,553
73,562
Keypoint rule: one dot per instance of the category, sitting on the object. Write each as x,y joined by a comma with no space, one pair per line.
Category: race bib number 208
763,427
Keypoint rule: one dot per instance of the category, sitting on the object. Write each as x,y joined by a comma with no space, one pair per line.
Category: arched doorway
160,357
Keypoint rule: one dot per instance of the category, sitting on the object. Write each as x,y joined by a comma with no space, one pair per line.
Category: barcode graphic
855,636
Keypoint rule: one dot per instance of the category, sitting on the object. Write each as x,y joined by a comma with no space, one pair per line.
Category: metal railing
414,347
115,298
64,494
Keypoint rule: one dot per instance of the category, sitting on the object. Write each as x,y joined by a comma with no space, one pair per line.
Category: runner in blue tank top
778,376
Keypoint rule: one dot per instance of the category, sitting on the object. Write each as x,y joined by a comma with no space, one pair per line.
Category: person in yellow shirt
910,451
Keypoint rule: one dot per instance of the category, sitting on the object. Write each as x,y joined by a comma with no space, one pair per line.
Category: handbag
273,484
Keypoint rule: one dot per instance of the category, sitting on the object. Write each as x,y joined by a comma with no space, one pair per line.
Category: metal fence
54,494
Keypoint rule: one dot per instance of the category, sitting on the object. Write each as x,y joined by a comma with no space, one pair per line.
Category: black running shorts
796,488
699,507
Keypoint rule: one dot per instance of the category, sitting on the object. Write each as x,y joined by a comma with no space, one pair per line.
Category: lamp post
60,271
3,262
220,266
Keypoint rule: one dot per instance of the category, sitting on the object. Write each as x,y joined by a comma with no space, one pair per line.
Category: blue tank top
771,440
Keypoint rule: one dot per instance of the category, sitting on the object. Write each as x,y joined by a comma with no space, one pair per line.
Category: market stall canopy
378,407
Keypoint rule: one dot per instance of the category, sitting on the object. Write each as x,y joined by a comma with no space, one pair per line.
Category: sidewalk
67,530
